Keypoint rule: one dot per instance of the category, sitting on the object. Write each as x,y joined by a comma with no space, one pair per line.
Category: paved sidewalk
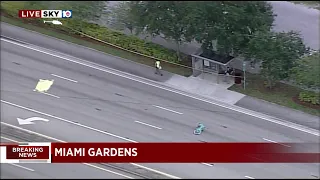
204,87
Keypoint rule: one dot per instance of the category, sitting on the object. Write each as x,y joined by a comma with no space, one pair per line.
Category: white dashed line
22,167
207,164
166,109
50,94
147,124
269,140
275,142
64,78
248,177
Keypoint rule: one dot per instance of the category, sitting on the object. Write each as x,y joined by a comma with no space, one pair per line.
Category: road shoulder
279,111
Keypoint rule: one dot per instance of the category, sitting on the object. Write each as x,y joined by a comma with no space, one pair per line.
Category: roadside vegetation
72,29
212,24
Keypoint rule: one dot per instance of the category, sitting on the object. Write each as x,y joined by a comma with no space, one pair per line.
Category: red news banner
169,153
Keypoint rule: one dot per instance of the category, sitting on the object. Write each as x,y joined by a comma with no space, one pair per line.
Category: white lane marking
160,86
65,120
64,78
50,95
83,163
275,142
207,164
48,137
167,109
47,94
248,177
147,124
22,167
8,139
269,140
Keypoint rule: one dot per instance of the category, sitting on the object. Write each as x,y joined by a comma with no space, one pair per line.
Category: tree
122,18
230,24
168,18
307,72
85,10
278,53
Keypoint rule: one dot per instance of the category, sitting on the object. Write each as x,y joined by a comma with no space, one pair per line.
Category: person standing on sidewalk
228,74
158,67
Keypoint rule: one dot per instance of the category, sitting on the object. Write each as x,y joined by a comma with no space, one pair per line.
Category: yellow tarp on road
44,85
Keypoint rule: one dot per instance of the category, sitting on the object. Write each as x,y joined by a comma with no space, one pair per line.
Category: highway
86,104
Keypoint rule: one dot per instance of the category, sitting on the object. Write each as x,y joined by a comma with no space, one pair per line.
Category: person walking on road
158,67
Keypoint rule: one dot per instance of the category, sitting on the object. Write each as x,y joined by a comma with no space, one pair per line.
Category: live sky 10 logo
66,13
56,13
45,13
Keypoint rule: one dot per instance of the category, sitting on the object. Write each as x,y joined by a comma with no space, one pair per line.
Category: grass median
80,40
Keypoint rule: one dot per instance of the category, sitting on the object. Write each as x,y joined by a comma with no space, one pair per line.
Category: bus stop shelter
212,64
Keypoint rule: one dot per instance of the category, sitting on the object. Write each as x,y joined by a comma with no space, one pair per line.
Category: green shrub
128,42
310,97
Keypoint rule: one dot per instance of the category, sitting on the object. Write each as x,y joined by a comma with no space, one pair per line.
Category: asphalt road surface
53,171
86,104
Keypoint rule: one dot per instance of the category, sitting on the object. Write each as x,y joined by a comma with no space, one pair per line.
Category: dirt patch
306,104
